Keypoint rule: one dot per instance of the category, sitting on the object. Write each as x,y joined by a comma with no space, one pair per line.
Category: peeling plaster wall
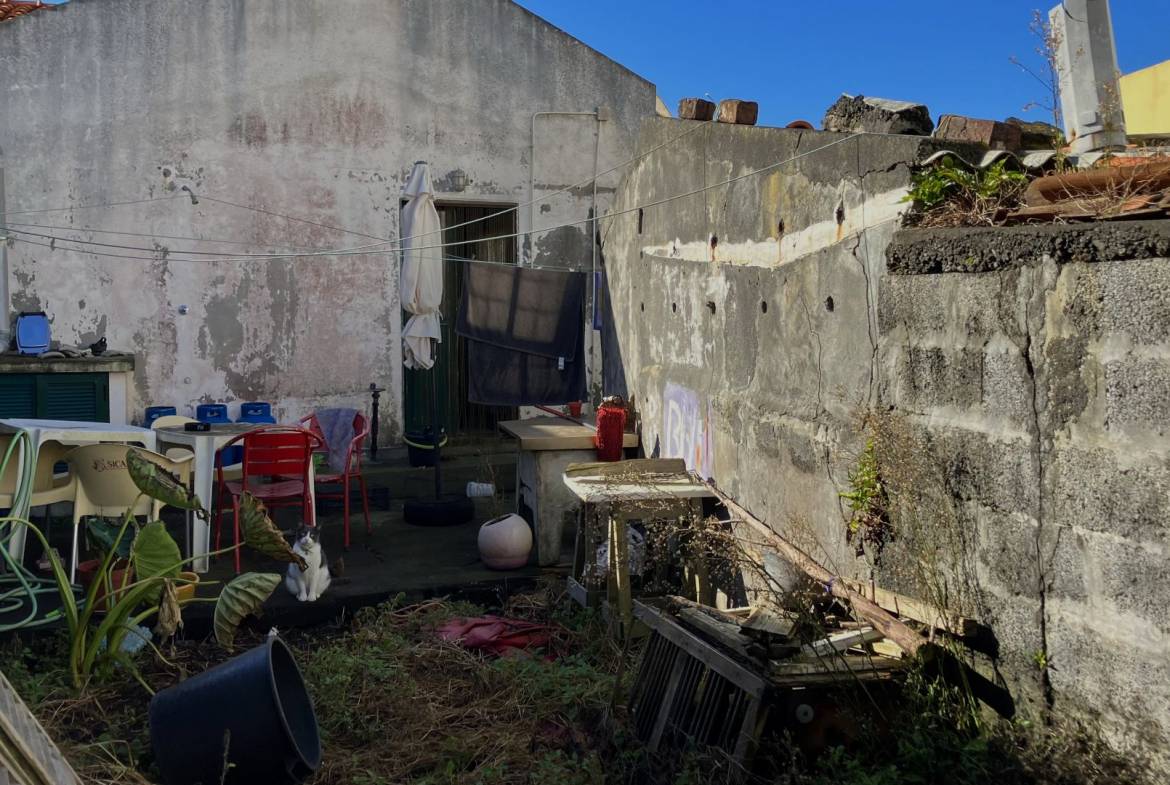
301,107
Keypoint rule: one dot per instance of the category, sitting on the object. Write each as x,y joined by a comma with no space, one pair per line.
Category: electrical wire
252,243
95,206
366,250
382,242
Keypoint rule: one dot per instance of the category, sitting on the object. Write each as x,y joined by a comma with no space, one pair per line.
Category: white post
1090,94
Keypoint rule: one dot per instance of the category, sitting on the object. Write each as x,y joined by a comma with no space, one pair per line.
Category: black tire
447,510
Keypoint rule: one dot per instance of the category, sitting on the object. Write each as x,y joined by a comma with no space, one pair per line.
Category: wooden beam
924,612
892,628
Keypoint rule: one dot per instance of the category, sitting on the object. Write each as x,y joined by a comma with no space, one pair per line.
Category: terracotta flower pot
186,591
505,542
121,574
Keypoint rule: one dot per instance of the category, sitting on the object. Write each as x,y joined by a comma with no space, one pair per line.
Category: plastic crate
214,413
256,412
154,412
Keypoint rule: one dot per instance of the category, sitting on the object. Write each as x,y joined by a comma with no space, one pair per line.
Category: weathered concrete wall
1043,385
752,365
306,108
1030,366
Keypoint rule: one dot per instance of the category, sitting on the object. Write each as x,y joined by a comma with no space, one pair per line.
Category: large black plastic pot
256,704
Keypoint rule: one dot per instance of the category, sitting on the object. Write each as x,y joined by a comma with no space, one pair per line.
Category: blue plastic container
32,333
257,412
154,412
214,413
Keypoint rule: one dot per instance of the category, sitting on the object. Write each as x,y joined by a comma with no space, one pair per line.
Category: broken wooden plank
917,610
887,648
722,633
892,628
842,641
831,670
764,621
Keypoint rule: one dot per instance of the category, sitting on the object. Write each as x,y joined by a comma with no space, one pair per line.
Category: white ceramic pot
505,542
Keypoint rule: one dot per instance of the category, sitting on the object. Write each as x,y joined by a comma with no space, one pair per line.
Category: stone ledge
13,363
968,249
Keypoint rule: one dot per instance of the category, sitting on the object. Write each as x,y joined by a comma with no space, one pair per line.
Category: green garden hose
19,588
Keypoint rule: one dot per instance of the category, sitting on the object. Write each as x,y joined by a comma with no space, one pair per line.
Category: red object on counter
611,429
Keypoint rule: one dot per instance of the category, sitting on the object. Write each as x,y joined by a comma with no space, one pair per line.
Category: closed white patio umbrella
421,281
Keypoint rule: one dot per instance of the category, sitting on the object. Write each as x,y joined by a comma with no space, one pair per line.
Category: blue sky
796,58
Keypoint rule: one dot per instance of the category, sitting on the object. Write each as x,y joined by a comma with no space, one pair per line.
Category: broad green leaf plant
96,642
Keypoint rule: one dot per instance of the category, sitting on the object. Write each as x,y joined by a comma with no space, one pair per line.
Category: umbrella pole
435,428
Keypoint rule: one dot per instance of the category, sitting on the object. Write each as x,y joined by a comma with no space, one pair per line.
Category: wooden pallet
689,691
27,755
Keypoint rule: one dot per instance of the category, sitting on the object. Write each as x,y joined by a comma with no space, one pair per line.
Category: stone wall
1042,383
306,108
1030,367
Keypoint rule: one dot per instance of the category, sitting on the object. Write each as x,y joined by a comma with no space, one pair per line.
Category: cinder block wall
1033,364
1036,361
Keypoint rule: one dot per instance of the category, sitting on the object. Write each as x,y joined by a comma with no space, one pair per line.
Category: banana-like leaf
261,533
157,483
240,598
170,613
155,552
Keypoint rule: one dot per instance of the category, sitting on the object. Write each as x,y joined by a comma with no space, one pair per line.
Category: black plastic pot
257,704
420,448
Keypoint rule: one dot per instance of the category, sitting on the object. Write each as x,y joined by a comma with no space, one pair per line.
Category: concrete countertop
15,363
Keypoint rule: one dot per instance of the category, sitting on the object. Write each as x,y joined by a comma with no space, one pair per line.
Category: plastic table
70,432
204,444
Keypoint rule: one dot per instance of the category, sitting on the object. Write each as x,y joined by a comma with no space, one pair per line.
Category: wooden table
617,493
549,445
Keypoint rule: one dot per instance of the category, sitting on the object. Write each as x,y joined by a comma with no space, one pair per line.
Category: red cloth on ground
494,634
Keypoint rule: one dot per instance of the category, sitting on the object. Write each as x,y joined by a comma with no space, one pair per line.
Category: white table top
15,423
68,431
635,481
177,434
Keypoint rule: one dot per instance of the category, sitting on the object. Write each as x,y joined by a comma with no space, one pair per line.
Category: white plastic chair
104,487
48,488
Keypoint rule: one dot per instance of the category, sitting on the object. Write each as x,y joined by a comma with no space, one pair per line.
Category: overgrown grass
396,705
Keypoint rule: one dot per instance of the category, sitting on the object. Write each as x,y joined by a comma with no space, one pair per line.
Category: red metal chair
353,469
276,467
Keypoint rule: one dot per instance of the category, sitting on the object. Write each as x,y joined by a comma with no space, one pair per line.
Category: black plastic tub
420,448
256,705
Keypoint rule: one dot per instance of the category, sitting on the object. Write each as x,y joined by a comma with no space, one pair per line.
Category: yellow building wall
1145,97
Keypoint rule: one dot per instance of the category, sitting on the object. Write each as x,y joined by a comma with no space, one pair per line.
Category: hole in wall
640,216
780,228
714,241
764,306
642,306
674,307
711,306
829,305
840,213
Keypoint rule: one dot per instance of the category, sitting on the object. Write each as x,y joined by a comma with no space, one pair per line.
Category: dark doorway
456,414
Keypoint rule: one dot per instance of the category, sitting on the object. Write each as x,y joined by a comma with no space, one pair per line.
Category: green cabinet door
56,396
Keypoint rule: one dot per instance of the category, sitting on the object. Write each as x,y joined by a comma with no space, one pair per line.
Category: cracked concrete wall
1031,363
300,107
759,297
1044,381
